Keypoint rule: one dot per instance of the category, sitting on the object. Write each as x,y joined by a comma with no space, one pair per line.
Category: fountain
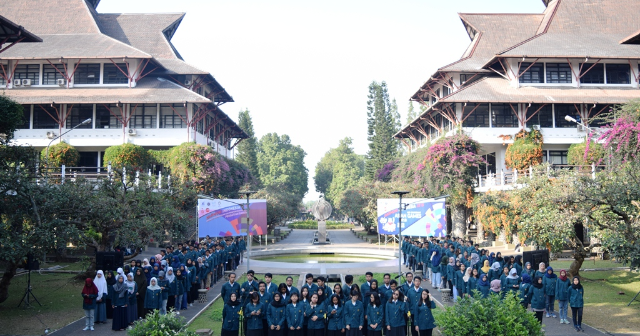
321,211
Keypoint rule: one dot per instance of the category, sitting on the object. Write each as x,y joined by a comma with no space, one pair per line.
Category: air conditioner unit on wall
26,82
61,81
187,82
17,82
51,135
132,132
536,127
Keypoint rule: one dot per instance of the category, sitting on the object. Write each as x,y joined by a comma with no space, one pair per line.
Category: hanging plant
60,154
525,151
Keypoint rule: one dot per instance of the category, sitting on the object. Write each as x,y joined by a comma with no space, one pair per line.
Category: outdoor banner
227,218
421,218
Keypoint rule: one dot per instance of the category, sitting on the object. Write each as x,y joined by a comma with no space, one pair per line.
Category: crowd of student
459,265
264,309
170,279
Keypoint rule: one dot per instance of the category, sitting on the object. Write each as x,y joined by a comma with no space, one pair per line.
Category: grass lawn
604,308
61,303
589,263
211,318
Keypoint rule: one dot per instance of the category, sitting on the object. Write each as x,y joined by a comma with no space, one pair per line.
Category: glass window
489,166
535,74
143,116
618,74
544,117
563,110
105,119
28,71
597,113
78,114
113,75
479,117
26,117
88,159
559,73
558,157
593,76
503,116
87,74
169,118
50,75
42,116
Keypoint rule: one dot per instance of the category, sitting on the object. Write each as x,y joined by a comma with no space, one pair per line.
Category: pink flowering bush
622,139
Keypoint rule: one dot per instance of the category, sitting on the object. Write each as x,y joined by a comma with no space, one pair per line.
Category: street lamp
59,136
247,194
400,194
573,120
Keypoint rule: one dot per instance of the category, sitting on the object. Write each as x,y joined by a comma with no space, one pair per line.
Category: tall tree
248,148
382,120
281,161
412,114
338,170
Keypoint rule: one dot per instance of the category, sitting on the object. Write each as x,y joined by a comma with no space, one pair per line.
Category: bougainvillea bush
60,154
126,155
525,151
623,139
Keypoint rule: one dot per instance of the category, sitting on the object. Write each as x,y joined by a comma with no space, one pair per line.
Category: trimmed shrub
525,151
585,153
155,324
126,155
61,154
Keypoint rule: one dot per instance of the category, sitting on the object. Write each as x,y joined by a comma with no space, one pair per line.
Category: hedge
61,154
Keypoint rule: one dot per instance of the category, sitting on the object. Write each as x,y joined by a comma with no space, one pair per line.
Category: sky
303,67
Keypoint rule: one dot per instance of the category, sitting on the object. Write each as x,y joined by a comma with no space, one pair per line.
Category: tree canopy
248,148
338,170
282,162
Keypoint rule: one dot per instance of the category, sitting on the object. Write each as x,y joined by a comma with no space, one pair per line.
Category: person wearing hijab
141,291
120,271
444,264
484,285
111,280
231,316
180,290
525,290
164,286
175,263
474,261
537,298
496,286
472,284
194,281
549,282
562,295
153,297
513,281
276,316
132,307
499,259
436,275
145,262
120,301
492,257
518,264
171,280
101,300
576,300
542,269
186,288
529,270
451,272
154,271
89,295
485,267
494,272
146,270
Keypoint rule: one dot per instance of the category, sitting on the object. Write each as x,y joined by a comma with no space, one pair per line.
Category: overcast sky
303,67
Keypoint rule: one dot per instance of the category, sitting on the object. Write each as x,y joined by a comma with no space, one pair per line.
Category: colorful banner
421,218
227,218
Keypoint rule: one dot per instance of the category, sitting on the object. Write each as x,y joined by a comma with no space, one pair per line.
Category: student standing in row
353,315
295,316
275,315
562,295
89,295
335,315
253,315
132,307
424,321
101,300
374,316
576,300
315,312
120,300
395,310
111,280
231,316
152,297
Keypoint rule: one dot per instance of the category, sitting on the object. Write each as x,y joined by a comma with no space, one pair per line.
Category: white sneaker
85,328
191,305
548,315
91,329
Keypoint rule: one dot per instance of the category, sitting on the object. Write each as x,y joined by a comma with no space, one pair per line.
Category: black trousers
576,314
539,316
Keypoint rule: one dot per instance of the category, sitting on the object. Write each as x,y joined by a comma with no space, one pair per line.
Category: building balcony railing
514,179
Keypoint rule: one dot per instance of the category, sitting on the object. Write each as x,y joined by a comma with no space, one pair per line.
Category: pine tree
412,114
248,148
383,121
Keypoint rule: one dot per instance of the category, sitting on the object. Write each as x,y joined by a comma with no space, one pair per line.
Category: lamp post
247,194
400,193
59,136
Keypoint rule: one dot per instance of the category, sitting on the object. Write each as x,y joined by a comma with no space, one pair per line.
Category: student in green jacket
576,300
484,285
549,282
295,316
424,321
276,315
562,295
537,298
335,315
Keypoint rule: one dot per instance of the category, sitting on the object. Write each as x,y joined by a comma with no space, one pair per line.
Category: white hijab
131,285
101,283
153,287
171,277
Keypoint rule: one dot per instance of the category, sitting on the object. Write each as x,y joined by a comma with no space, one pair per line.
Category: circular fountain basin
318,258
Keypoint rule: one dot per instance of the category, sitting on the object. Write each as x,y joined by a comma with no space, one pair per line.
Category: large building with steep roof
579,58
119,70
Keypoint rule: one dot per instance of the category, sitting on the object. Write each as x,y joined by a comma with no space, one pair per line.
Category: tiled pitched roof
142,31
499,90
148,90
13,32
178,67
51,17
584,28
83,46
496,32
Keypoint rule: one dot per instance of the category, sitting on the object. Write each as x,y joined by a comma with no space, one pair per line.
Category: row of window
548,116
556,157
91,73
560,73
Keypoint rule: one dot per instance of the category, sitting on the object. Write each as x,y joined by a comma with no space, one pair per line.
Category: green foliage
339,169
155,324
279,161
248,148
126,155
585,153
383,122
412,114
60,154
282,204
487,317
11,116
525,151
